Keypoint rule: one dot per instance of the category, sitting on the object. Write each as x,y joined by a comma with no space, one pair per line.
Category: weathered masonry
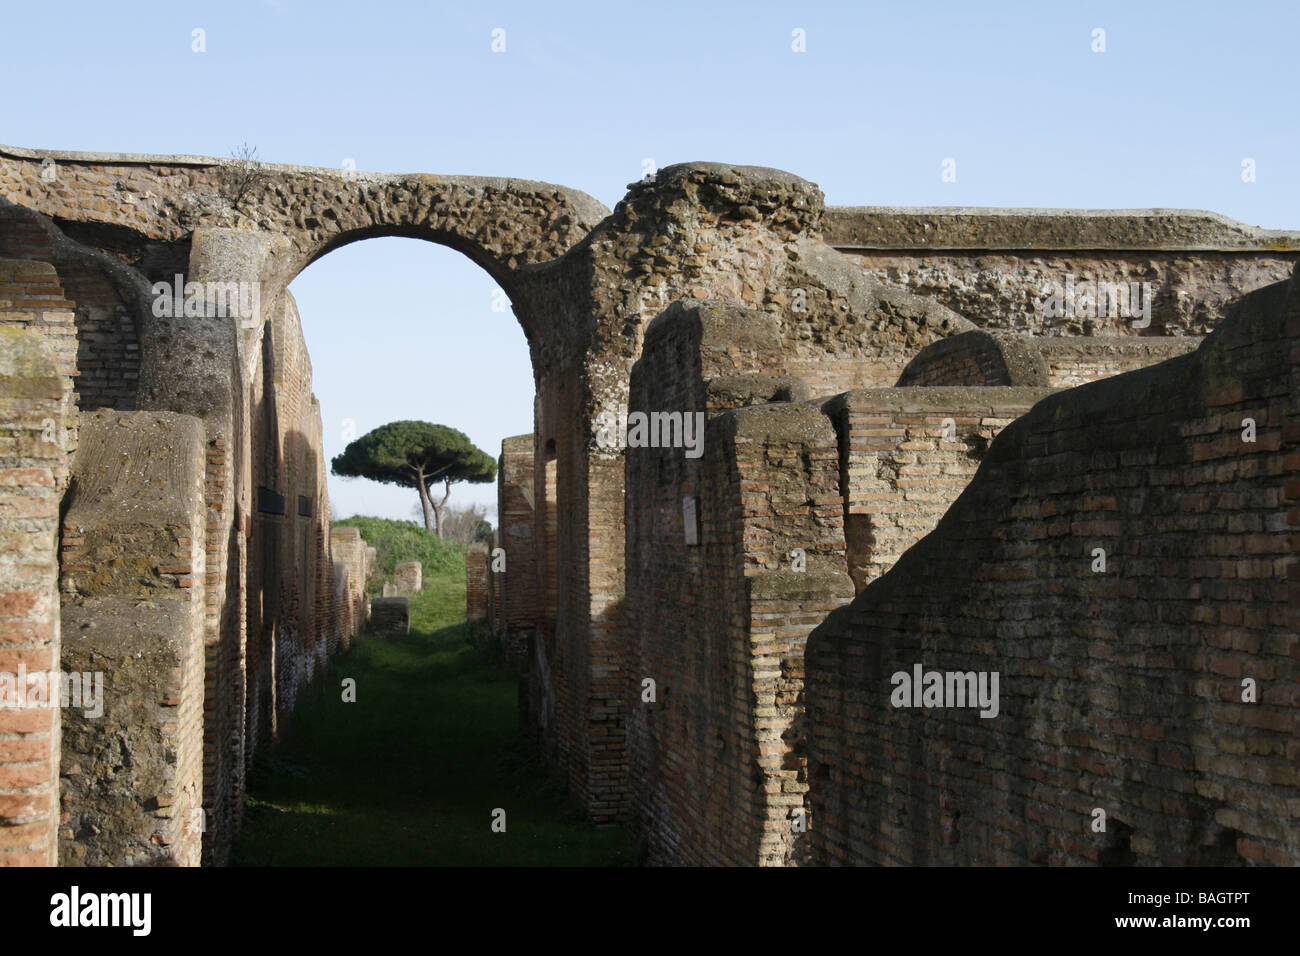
781,452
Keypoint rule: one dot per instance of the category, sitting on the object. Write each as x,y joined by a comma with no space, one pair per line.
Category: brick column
32,463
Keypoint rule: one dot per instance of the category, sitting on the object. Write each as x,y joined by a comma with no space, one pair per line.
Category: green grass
410,773
396,541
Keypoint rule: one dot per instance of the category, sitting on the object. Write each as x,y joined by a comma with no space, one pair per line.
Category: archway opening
414,732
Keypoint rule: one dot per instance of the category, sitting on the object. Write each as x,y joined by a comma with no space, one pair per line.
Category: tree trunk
437,508
425,502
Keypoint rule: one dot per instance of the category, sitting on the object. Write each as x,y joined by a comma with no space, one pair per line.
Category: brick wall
788,497
891,466
706,231
538,691
996,267
716,624
719,626
977,357
288,476
32,297
984,357
225,648
1076,360
740,235
133,617
1120,690
496,599
100,318
352,574
906,454
1004,289
476,584
263,407
33,472
515,590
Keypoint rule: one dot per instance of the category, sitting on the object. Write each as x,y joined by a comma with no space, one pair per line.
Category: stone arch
473,250
530,320
501,223
278,219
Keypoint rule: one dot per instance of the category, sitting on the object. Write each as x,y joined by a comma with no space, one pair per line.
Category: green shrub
397,541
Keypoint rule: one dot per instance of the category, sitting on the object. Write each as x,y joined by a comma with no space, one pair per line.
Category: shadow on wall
1121,563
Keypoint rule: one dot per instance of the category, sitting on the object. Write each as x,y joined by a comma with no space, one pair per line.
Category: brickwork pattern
587,287
717,623
32,297
1077,360
476,584
514,591
906,455
100,321
33,471
1121,689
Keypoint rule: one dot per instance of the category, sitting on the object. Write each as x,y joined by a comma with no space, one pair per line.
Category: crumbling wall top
955,227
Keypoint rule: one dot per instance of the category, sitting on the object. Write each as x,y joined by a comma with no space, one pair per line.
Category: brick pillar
351,557
476,583
133,605
32,466
514,590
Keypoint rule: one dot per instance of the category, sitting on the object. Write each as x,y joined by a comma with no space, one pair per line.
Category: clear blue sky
584,93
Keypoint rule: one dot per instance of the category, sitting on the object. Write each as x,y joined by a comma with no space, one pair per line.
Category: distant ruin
921,426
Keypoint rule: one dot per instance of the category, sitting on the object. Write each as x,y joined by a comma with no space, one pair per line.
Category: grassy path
409,774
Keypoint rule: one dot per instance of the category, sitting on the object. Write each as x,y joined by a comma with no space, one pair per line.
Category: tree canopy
415,454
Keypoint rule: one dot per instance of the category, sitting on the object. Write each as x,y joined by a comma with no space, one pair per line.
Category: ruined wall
979,358
716,615
1120,689
192,364
390,616
1011,358
33,473
515,590
408,577
101,308
905,455
133,617
288,527
718,626
718,623
476,584
496,596
1076,360
997,267
32,297
736,554
352,570
312,519
744,235
586,287
266,560
153,203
